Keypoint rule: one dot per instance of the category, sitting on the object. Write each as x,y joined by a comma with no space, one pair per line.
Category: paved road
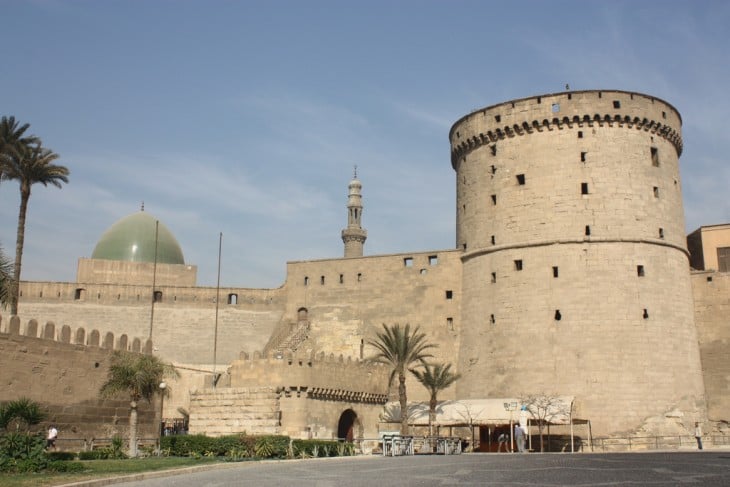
617,469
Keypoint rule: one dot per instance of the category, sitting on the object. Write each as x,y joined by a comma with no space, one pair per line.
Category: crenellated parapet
314,375
78,336
567,110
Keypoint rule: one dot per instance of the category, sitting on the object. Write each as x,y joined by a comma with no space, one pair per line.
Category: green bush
65,467
22,452
233,446
321,448
60,455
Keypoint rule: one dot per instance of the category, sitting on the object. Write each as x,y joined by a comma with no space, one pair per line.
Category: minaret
354,236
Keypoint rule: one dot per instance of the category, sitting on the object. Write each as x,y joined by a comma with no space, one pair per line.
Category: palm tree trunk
403,403
133,429
19,242
431,415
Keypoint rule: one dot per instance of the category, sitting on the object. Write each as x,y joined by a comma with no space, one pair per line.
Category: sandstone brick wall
575,270
65,378
711,292
217,412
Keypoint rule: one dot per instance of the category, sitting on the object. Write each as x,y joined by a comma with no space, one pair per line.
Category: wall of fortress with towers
570,275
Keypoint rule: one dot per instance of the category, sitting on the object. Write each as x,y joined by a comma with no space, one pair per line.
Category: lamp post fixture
163,388
511,406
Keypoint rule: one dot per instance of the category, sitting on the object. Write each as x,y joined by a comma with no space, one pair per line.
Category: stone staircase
288,339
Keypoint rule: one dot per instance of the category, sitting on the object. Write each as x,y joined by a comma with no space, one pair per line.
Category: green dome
132,239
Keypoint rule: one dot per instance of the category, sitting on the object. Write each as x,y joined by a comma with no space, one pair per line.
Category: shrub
321,448
65,466
60,455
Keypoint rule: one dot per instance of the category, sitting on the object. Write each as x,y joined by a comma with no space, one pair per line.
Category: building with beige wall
570,276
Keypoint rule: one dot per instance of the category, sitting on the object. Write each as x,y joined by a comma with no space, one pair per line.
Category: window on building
408,262
450,323
558,316
588,230
583,156
616,104
555,271
493,240
491,319
306,281
655,157
656,191
233,298
580,134
556,107
321,280
646,314
494,277
79,293
342,278
157,296
640,270
493,148
494,199
723,259
359,277
583,188
661,233
497,118
449,294
433,260
521,179
518,264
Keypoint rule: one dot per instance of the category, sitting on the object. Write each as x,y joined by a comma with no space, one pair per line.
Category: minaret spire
354,235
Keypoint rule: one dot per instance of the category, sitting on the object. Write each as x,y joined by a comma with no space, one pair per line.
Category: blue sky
247,117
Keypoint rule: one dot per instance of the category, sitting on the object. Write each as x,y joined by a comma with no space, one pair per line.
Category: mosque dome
132,239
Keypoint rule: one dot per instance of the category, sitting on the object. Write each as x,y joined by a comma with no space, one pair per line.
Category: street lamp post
163,388
511,406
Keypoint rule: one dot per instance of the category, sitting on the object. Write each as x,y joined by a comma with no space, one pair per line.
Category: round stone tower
575,269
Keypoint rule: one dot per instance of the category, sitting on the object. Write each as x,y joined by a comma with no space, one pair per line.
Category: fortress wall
339,377
102,271
65,379
711,291
402,288
141,294
183,331
598,196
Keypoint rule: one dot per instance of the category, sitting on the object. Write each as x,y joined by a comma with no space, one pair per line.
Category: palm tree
435,378
6,278
140,377
12,137
29,164
22,411
400,349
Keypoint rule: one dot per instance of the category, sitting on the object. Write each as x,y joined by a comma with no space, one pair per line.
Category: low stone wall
225,411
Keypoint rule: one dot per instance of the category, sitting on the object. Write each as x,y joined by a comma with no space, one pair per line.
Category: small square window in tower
616,104
494,199
433,260
408,262
655,157
723,259
449,294
656,191
640,270
521,179
555,271
583,188
494,277
518,264
580,134
583,156
493,148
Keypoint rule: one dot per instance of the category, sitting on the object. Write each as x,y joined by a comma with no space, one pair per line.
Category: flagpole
154,279
217,300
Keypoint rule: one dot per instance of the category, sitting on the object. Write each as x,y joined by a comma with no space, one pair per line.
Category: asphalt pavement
700,468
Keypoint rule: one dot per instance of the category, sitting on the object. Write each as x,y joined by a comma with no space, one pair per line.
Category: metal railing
644,443
397,445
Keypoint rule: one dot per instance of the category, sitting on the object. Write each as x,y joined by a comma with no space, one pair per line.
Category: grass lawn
96,469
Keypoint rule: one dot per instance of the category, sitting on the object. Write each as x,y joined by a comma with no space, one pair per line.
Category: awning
466,412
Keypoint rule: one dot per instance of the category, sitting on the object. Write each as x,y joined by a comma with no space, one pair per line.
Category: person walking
51,437
698,435
520,438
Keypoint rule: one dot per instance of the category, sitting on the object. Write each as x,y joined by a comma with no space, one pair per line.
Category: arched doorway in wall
346,427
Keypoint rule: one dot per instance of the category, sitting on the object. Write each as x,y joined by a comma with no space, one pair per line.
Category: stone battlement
78,337
320,375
